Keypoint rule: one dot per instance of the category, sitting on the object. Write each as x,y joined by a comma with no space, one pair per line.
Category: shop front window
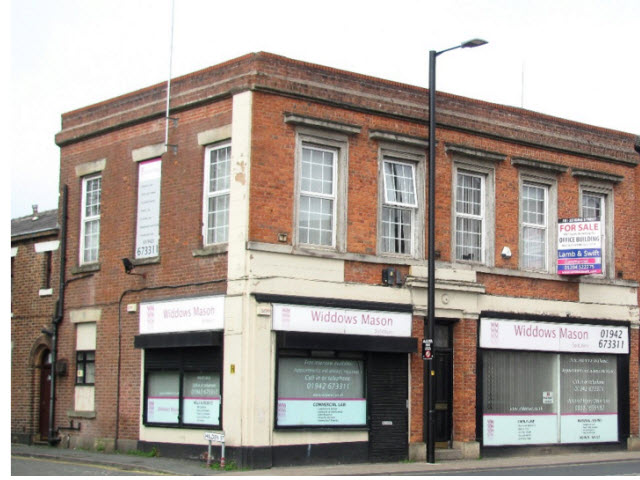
163,397
544,398
183,387
321,392
201,398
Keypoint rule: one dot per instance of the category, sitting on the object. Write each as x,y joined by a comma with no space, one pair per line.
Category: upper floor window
535,226
401,197
597,201
400,204
317,203
148,217
216,194
470,217
321,176
320,189
47,269
473,204
538,185
90,219
593,205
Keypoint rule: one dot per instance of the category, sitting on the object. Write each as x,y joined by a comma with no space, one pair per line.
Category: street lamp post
431,262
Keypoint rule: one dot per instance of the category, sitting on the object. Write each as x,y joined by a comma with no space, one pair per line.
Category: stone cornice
270,73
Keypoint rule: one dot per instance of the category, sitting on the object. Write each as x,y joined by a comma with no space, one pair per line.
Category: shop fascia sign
301,318
553,337
579,246
182,315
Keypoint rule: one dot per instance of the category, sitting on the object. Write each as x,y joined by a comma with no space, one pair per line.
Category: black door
443,366
387,391
45,396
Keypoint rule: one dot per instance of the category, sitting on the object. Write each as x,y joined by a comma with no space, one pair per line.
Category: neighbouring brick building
34,290
274,284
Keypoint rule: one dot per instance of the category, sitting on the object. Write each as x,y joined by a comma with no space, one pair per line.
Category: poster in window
163,401
148,225
201,402
588,386
321,392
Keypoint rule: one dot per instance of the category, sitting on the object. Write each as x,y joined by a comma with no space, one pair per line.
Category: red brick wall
272,189
30,313
416,389
634,373
465,345
180,235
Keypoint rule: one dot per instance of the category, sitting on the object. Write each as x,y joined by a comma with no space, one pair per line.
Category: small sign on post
215,437
427,352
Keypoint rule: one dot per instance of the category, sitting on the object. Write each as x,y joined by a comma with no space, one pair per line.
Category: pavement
183,467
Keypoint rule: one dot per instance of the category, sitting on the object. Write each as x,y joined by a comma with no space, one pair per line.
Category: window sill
549,276
322,428
145,261
211,250
81,414
183,426
85,268
333,254
402,257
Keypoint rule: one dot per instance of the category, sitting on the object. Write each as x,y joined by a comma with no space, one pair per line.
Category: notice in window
321,392
162,409
202,399
148,226
590,401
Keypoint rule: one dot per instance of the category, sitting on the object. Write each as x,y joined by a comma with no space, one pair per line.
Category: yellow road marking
106,467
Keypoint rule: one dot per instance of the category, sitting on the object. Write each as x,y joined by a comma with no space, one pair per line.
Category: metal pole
431,261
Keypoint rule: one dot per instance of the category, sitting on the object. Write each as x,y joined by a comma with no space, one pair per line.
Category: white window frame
390,160
87,219
337,144
216,194
332,196
416,160
481,217
542,226
482,164
539,174
605,193
549,182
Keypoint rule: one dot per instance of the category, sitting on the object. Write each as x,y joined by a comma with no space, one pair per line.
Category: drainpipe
57,318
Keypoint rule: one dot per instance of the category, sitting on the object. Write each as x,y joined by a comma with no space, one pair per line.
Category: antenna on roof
167,117
522,87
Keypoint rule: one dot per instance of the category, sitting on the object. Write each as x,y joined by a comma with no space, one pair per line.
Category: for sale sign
579,246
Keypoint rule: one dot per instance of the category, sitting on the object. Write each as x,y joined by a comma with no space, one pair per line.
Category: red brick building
34,291
274,284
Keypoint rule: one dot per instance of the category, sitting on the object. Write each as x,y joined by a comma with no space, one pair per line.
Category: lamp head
476,42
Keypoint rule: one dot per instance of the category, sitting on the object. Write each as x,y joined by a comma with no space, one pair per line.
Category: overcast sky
575,59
